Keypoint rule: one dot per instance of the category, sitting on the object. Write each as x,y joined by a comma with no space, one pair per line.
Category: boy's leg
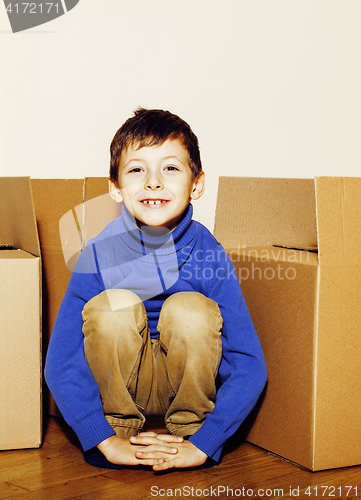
118,351
190,339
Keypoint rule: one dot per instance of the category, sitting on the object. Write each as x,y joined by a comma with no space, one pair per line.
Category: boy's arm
242,370
66,370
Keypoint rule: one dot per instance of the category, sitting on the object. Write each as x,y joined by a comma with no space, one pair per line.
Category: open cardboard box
20,318
306,307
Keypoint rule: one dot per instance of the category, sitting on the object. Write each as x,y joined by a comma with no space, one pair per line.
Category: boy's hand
188,456
158,447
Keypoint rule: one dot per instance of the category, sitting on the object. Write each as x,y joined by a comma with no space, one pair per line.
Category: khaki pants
173,375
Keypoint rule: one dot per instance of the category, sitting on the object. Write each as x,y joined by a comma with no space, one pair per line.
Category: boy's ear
198,186
115,192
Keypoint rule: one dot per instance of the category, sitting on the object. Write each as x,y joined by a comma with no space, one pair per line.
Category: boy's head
155,168
151,127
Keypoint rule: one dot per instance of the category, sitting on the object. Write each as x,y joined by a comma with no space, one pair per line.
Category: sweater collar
166,244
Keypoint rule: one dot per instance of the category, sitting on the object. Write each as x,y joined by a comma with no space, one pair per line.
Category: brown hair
150,127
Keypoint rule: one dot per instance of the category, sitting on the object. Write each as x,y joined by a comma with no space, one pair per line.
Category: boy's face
157,184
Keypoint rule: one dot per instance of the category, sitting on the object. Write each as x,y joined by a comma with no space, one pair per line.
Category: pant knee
190,334
113,299
189,312
111,311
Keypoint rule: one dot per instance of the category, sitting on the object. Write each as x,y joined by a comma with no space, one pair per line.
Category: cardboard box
68,213
296,247
20,318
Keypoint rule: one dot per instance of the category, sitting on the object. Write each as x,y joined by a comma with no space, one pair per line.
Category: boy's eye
134,170
171,167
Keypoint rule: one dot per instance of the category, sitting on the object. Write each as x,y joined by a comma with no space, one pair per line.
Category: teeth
152,202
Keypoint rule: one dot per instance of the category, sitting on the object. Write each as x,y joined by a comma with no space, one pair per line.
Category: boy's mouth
154,202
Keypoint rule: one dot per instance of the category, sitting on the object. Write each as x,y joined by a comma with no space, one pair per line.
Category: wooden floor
57,471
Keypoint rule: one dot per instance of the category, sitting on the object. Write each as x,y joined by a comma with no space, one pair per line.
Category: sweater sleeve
66,371
242,370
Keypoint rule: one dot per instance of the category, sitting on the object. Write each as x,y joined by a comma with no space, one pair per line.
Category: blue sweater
187,259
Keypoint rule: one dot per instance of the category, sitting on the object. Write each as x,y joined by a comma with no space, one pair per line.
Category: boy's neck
156,231
152,230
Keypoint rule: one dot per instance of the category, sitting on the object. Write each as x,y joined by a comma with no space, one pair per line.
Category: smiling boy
149,325
157,184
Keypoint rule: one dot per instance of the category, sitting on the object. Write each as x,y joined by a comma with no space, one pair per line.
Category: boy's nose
153,184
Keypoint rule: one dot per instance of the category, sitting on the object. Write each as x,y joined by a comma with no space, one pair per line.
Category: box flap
339,220
87,218
15,255
338,406
265,211
99,207
65,211
17,217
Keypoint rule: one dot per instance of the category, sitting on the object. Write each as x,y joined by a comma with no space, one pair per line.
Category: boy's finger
166,464
157,452
169,438
151,461
145,440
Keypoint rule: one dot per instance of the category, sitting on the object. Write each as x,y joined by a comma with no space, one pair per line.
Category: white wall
271,87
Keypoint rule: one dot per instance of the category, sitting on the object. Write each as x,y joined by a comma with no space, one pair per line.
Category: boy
153,321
